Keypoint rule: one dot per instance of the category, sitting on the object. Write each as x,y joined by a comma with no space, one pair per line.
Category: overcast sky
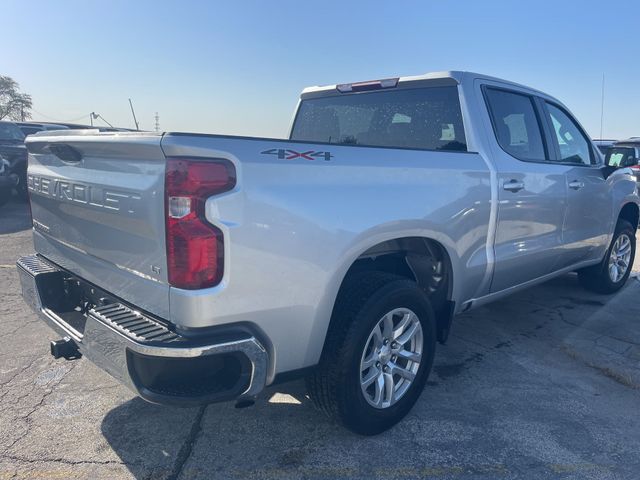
237,67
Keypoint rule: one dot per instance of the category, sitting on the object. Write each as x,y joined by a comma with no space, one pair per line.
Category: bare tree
14,105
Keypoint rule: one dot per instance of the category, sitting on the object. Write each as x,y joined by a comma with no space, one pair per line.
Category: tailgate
97,201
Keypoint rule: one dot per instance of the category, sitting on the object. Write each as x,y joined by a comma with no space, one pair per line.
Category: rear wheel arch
421,259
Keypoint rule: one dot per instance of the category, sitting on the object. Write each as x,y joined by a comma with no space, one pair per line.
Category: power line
57,119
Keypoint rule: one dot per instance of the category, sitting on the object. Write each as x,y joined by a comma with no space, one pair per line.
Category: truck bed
297,216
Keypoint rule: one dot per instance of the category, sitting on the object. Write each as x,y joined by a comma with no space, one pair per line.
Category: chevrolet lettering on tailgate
117,200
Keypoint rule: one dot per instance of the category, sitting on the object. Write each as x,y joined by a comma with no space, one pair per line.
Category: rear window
421,118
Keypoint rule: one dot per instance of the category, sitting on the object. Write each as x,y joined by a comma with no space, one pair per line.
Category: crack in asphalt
64,461
27,417
6,382
559,310
20,327
187,447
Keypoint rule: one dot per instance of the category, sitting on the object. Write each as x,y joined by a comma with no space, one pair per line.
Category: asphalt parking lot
545,384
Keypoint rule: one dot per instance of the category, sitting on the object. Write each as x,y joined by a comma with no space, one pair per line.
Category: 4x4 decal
288,154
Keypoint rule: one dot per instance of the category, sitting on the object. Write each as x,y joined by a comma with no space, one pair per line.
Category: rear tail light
195,248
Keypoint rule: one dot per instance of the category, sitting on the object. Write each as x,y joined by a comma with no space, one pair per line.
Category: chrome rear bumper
140,351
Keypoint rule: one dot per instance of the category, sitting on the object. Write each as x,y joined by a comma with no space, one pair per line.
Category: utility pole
602,108
134,115
157,117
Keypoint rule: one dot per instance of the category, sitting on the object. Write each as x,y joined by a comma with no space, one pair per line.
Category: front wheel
612,273
378,353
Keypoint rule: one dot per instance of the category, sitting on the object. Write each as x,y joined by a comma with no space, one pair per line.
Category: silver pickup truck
202,268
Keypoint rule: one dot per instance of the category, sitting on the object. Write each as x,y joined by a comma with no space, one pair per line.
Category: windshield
10,131
422,118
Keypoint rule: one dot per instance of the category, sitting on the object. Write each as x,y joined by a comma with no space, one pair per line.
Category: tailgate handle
65,152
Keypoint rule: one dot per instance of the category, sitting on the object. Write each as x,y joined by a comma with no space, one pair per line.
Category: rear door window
516,124
422,118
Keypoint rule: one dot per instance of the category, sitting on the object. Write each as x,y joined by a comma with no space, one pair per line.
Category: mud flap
444,319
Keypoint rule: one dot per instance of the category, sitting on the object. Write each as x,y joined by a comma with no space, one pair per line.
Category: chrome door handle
513,186
576,185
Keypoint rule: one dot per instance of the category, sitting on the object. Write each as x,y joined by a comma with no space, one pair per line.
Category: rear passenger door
532,196
589,211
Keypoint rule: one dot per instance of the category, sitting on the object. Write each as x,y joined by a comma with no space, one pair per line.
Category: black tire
22,191
334,386
598,278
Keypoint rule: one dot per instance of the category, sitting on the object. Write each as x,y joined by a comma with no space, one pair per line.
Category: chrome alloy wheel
391,358
619,258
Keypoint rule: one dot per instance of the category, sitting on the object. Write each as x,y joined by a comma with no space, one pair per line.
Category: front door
588,216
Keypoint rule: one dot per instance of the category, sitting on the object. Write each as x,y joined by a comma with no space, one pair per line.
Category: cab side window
516,124
569,139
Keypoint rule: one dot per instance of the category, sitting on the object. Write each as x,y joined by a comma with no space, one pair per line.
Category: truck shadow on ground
498,352
162,442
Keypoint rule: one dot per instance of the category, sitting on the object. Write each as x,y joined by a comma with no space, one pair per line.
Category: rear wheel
378,353
612,273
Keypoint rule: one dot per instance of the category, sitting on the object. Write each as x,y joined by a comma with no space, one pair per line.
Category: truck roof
453,76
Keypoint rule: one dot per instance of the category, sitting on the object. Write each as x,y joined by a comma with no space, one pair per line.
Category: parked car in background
58,125
13,150
29,128
79,126
604,145
625,153
8,181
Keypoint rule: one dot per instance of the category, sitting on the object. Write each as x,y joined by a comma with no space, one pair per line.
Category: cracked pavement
544,384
